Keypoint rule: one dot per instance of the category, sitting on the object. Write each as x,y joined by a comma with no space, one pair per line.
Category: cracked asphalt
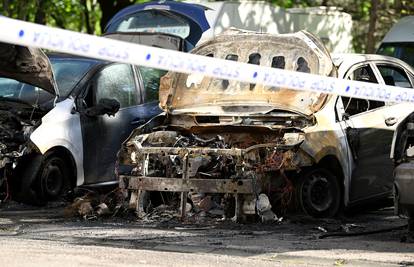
31,236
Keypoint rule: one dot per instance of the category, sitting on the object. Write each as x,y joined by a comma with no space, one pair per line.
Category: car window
394,76
68,72
152,21
363,74
117,82
151,79
30,94
355,106
403,51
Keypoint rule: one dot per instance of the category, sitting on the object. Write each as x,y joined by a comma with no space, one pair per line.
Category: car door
103,134
369,127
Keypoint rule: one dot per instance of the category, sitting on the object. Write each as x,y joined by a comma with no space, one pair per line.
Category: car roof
401,31
345,61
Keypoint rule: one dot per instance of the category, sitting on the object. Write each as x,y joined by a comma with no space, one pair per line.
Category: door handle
137,122
390,121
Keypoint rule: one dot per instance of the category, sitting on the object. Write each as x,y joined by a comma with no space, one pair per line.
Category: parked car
53,140
402,153
183,22
47,148
311,150
399,41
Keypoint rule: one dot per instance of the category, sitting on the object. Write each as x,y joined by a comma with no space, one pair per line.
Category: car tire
53,178
319,193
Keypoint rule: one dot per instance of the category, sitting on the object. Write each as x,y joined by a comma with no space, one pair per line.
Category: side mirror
105,106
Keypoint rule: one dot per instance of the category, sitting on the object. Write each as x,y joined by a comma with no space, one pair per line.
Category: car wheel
319,193
53,178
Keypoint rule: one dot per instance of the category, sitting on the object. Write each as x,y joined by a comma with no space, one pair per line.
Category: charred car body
49,142
264,147
241,140
403,156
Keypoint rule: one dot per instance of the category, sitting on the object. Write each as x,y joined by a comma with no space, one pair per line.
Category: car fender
327,138
61,127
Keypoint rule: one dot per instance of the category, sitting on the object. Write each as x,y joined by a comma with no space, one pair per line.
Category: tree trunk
110,8
373,17
87,18
58,20
6,9
23,9
40,16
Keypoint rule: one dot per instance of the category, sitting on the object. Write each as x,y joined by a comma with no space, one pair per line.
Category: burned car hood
28,65
187,21
300,51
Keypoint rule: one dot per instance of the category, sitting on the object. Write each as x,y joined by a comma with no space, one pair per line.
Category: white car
54,134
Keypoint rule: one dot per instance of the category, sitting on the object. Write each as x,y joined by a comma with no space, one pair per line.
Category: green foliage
87,15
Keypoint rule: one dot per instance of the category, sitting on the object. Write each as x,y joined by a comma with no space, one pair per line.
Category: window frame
395,65
94,84
377,76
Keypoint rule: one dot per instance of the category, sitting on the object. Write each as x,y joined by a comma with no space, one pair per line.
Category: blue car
65,131
166,24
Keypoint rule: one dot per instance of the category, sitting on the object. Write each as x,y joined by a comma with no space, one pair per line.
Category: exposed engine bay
243,168
27,92
234,145
17,122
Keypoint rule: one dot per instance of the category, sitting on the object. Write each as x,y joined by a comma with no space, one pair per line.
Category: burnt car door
104,134
369,126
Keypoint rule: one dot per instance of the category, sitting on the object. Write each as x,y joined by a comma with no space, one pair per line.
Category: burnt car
51,142
54,140
403,155
255,148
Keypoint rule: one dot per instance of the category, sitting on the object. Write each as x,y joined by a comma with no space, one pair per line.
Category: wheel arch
332,163
64,153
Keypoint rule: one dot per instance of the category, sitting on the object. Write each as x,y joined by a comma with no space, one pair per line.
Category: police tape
30,34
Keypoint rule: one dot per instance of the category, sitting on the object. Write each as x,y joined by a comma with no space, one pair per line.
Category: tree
110,8
372,18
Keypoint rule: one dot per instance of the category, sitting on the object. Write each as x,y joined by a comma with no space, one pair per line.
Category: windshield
152,21
67,71
403,51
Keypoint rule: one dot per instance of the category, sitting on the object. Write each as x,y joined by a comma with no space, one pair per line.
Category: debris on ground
93,205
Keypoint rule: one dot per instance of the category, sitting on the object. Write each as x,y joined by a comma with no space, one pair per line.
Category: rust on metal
162,184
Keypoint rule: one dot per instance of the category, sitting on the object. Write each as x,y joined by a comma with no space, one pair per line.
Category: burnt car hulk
54,134
403,155
247,147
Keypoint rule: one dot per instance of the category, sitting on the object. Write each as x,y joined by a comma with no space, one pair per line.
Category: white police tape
30,34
